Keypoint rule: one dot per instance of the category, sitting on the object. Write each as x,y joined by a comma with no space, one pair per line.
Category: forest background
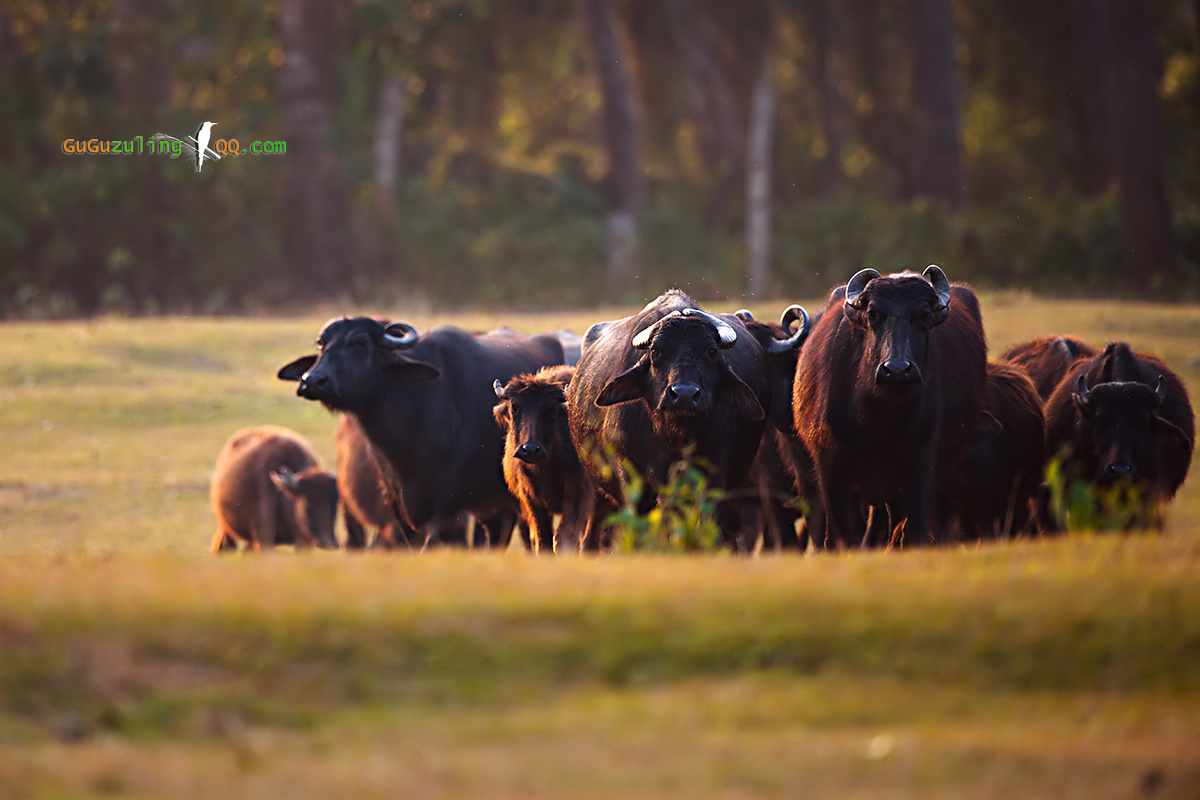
544,154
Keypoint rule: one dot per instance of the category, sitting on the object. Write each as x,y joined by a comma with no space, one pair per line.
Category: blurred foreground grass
133,664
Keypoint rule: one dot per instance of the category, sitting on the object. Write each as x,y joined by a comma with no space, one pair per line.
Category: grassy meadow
135,664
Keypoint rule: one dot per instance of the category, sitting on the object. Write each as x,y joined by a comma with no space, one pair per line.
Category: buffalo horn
287,477
1160,392
725,332
856,285
399,336
1083,391
790,314
498,388
941,284
744,315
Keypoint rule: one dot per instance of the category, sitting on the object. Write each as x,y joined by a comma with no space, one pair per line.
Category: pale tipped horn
857,284
498,388
941,284
399,336
792,313
744,315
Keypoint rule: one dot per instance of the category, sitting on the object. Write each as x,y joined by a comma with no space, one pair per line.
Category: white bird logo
202,135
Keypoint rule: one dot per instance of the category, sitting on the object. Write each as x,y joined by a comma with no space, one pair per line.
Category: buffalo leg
356,537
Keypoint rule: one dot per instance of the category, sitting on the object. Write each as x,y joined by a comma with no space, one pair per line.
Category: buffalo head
532,411
684,369
313,496
896,314
1121,431
353,354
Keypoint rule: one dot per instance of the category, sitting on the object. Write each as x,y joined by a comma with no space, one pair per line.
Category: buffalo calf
268,488
541,466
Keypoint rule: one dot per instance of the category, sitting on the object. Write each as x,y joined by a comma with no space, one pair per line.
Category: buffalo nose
1117,471
312,384
897,370
531,452
685,394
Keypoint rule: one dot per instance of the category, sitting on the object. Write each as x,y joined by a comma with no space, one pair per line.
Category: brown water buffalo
993,489
425,403
268,488
541,466
889,388
670,381
1123,417
1047,360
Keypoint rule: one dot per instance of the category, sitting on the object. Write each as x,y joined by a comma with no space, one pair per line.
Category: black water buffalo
1122,416
425,403
1048,359
889,387
669,380
540,463
772,475
268,488
993,489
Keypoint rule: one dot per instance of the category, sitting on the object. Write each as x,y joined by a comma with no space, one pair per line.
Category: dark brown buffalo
771,477
268,488
1048,359
366,504
541,466
668,381
890,387
425,403
1122,416
993,489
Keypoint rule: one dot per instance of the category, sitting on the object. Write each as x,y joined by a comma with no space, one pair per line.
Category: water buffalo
268,488
540,463
667,381
890,386
772,475
425,403
1047,360
1122,416
993,489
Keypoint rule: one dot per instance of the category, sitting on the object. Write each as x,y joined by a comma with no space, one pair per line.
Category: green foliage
1076,505
684,521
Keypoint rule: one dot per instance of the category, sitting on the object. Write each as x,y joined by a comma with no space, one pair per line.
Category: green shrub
684,521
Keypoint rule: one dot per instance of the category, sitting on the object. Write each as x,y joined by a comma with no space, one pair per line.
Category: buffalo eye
926,315
711,354
872,314
359,342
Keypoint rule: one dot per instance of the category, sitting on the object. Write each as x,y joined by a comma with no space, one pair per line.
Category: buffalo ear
295,370
629,385
1173,430
414,369
500,413
744,400
855,314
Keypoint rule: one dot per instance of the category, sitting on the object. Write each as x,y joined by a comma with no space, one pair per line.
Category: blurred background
541,154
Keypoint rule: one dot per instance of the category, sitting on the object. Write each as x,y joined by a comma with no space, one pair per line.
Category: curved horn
642,339
791,314
941,284
1082,390
856,285
498,388
399,336
286,477
744,315
1160,392
725,331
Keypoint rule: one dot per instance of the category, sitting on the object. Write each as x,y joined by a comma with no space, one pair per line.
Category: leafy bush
1079,506
684,521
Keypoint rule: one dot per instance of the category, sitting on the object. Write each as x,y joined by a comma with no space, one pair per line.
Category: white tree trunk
758,182
389,133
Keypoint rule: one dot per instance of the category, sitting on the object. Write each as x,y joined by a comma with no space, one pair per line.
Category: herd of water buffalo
882,412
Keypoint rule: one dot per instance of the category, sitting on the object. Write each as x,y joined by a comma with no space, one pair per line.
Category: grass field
134,664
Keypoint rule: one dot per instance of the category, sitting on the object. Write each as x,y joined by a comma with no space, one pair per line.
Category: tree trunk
625,178
758,182
388,136
315,207
1147,252
1090,28
937,118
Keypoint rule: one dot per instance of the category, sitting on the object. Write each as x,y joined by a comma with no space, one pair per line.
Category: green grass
134,664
